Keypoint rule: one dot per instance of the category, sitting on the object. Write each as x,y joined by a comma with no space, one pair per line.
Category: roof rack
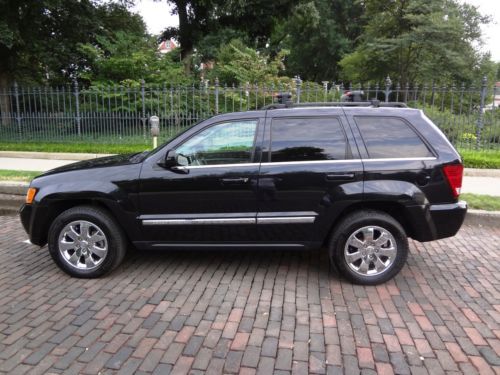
371,103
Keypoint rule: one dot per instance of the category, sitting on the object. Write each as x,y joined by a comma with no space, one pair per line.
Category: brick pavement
228,312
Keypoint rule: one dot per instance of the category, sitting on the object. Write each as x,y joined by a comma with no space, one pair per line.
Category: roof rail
371,103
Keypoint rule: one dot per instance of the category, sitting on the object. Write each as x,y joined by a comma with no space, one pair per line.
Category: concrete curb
13,187
50,155
482,217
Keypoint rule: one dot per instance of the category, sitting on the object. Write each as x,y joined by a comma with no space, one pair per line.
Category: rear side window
391,137
305,139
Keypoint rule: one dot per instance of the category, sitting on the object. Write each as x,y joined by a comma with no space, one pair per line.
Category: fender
115,188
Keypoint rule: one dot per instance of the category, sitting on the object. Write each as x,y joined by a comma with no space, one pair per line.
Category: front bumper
433,222
27,213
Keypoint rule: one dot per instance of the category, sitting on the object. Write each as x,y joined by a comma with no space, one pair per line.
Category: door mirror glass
182,160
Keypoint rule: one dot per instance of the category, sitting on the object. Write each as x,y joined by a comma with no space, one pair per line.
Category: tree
39,38
318,34
237,63
417,40
127,59
200,18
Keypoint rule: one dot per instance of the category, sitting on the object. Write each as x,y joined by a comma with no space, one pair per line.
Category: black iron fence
469,115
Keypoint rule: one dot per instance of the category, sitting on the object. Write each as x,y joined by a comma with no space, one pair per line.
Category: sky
157,17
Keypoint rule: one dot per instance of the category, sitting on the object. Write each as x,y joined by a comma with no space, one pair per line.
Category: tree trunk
5,105
185,35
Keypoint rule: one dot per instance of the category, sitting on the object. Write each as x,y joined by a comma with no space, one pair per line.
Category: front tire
86,242
368,247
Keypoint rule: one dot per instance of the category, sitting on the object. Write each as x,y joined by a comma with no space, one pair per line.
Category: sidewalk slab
31,164
50,155
481,185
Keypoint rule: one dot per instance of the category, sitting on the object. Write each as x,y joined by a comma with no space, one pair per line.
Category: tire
368,247
86,242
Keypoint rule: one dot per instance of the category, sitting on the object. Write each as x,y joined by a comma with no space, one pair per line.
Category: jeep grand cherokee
356,178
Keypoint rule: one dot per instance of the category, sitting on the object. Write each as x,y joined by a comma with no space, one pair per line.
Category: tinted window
299,139
390,137
226,143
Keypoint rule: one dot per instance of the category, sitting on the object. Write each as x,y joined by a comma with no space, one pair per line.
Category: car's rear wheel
86,242
368,247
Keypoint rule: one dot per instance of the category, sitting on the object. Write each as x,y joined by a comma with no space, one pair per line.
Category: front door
211,197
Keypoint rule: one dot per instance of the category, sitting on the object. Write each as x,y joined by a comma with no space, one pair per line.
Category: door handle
339,176
234,181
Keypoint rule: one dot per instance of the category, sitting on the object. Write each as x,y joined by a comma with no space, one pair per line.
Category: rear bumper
438,221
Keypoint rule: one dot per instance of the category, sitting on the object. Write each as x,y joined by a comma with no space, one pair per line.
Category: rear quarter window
391,137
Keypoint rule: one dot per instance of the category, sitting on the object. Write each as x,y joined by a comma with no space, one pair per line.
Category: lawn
481,202
8,175
83,147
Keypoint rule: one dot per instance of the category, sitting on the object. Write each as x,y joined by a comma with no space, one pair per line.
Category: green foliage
415,39
318,34
480,159
38,38
237,63
126,59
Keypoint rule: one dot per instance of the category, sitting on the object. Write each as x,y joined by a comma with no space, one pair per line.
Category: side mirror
173,159
170,160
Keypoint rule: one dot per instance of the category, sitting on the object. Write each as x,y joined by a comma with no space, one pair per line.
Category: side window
390,137
303,139
225,143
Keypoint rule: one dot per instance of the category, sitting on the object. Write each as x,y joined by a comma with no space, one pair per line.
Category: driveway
247,312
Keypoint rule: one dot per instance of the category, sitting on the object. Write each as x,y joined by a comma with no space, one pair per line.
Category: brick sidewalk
228,312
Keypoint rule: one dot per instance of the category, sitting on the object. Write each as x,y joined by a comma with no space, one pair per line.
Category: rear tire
86,242
368,247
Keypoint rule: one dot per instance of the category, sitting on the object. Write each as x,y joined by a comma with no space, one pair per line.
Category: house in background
166,46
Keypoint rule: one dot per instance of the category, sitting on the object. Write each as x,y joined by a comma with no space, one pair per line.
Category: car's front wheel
369,247
86,242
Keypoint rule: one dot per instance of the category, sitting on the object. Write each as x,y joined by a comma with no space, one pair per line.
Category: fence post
325,88
216,95
18,115
480,122
143,111
77,108
388,84
298,83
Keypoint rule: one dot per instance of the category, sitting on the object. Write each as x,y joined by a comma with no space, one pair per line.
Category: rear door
310,171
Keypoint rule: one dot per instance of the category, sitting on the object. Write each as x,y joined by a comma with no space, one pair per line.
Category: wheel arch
54,208
396,210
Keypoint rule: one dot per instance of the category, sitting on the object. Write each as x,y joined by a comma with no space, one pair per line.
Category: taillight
454,174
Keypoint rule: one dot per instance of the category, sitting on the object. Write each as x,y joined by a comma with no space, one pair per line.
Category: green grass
481,159
481,202
8,175
83,147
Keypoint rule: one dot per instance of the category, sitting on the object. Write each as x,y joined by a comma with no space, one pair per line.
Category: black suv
357,178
